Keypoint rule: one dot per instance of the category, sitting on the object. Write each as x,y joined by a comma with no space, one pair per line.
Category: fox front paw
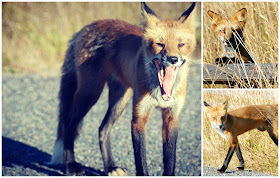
222,170
74,168
240,168
117,172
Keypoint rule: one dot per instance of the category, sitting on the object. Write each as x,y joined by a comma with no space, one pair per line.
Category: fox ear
240,17
225,104
213,17
206,104
187,13
148,16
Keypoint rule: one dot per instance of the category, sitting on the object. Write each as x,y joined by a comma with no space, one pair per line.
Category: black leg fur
169,153
240,158
139,146
227,160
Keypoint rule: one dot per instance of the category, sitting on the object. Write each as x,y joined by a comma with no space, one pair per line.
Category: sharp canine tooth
161,71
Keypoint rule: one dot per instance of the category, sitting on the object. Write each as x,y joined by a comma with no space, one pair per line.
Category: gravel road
210,171
29,121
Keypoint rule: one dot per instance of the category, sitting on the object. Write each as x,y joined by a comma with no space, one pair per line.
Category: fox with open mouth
153,60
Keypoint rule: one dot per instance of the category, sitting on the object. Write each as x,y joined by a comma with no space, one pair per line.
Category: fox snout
224,41
219,126
172,59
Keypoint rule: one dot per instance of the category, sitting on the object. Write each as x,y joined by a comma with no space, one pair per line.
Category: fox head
168,46
217,115
225,28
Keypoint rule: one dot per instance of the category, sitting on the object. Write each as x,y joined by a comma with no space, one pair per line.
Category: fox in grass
229,31
230,124
153,60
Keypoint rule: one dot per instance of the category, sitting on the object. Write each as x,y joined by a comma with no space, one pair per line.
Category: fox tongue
167,83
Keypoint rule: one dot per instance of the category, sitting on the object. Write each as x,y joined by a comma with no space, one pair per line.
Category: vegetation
260,33
259,152
35,34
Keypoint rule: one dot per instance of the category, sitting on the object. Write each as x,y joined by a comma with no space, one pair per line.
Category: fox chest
157,100
220,130
154,100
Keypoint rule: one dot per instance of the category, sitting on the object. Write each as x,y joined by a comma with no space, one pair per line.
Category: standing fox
233,123
229,31
154,61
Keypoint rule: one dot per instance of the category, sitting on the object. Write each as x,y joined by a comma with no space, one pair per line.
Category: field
259,151
35,35
260,34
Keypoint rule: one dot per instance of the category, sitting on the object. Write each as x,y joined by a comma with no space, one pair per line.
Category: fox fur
230,124
151,61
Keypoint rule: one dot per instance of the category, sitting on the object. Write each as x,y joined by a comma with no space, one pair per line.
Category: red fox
153,60
233,123
229,31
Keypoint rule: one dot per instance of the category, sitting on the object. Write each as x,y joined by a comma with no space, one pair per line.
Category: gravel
29,121
210,171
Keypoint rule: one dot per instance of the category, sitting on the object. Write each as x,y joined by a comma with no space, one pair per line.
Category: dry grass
259,151
35,35
260,33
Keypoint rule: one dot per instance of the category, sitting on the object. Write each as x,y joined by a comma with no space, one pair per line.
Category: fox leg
141,113
233,142
240,158
273,136
118,98
273,132
169,137
90,86
227,160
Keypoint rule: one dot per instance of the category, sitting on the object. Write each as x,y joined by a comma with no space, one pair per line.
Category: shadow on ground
15,153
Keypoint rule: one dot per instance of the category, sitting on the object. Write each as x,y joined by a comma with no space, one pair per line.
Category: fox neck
236,46
220,131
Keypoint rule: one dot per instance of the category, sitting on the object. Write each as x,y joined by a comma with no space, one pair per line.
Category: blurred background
35,35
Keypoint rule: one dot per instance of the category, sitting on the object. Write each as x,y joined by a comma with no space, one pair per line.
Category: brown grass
260,33
35,35
259,151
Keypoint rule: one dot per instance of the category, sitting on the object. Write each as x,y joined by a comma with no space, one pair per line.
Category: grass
260,33
35,34
259,151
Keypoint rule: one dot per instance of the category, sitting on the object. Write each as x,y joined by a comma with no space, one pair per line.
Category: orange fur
229,31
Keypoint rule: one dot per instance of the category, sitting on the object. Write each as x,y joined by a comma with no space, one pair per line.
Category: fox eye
222,31
181,45
161,45
223,118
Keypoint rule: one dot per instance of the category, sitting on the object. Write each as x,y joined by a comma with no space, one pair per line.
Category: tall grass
35,34
260,33
259,151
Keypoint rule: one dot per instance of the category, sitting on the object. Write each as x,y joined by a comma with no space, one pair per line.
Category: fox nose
172,59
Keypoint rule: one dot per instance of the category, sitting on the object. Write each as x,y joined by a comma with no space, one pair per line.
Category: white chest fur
220,130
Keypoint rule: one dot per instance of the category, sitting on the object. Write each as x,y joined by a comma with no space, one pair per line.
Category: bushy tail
68,87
